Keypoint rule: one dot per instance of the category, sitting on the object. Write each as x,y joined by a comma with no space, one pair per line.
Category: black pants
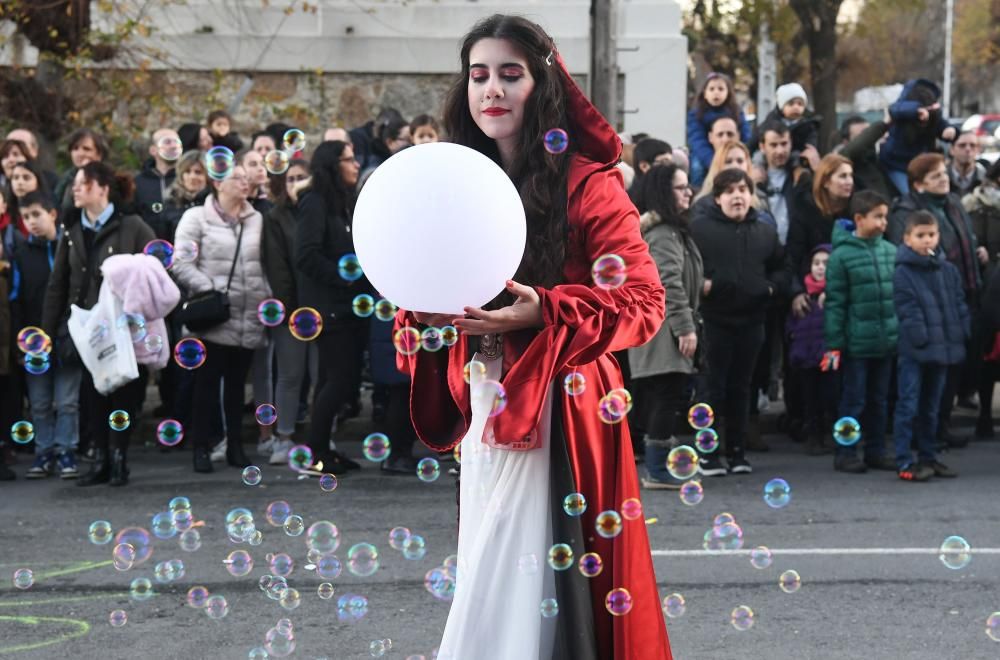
660,400
228,365
732,356
341,352
398,425
820,395
128,397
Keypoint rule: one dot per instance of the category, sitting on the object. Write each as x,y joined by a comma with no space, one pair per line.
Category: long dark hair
656,193
277,184
120,186
729,106
540,176
326,180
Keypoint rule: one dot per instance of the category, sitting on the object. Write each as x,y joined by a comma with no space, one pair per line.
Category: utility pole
604,60
767,72
949,25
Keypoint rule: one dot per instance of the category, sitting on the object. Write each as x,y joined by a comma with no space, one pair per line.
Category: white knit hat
788,92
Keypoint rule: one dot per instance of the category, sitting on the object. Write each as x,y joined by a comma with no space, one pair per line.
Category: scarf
814,286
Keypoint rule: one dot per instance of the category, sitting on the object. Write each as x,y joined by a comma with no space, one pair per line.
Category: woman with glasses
227,232
279,266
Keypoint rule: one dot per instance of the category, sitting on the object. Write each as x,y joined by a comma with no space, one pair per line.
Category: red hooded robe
583,325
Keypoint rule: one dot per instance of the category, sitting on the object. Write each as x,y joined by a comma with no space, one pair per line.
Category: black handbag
208,309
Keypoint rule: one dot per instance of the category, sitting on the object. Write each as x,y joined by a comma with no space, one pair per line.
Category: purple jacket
806,345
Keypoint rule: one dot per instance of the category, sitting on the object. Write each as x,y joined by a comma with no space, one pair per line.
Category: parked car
985,127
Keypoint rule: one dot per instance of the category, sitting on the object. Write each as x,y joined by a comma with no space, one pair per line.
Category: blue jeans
898,178
55,408
864,397
920,387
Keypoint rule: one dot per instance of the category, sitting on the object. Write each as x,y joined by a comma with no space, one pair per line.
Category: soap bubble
22,432
276,162
692,493
590,564
609,271
556,141
618,601
219,163
956,553
608,524
682,462
428,469
846,431
674,605
118,618
363,305
789,581
760,557
777,493
216,607
99,532
701,416
560,557
251,475
119,420
162,250
24,578
271,312
362,559
349,268
293,140
305,324
742,618
706,440
575,384
190,353
574,504
549,608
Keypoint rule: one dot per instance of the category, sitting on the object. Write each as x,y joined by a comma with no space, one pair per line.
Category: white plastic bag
104,347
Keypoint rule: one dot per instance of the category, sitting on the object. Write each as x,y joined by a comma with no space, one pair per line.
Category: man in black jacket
744,271
156,177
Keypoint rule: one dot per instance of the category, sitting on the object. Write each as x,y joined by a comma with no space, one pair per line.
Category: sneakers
711,467
66,465
218,454
266,447
940,470
43,466
915,472
880,463
651,483
279,452
399,465
739,465
849,464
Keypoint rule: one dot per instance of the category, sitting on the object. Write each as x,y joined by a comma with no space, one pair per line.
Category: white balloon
439,227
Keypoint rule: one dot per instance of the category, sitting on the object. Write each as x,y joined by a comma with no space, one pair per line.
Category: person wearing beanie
790,109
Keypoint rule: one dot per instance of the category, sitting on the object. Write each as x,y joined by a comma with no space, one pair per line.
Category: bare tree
819,27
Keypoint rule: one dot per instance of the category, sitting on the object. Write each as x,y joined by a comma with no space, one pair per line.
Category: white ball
439,227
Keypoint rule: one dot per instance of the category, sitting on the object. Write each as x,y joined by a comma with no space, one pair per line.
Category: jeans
55,408
228,364
293,360
920,387
898,178
732,355
864,396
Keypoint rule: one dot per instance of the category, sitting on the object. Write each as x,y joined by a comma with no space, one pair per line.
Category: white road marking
798,552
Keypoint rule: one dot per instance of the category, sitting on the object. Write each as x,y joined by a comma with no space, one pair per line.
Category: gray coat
682,276
216,240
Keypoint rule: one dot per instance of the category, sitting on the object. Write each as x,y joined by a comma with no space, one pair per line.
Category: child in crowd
917,123
860,325
716,99
424,129
805,353
220,127
54,394
933,329
790,109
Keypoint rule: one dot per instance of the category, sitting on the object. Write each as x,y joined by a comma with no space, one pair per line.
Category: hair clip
550,57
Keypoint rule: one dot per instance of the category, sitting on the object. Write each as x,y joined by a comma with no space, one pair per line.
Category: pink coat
142,283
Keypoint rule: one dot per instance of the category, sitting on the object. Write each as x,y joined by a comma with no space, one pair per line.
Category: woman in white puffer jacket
215,229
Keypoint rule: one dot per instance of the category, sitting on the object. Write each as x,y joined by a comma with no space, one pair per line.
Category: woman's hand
688,344
801,305
526,312
984,256
706,287
435,320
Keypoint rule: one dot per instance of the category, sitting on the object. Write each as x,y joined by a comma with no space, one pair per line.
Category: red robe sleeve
581,321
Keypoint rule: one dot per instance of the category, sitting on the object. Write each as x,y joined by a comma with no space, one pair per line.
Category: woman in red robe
551,321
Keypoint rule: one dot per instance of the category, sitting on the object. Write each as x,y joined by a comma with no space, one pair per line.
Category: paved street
850,605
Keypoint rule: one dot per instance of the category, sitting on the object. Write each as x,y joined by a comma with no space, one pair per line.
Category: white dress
504,536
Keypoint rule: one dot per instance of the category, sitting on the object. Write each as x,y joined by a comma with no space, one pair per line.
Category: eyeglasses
684,189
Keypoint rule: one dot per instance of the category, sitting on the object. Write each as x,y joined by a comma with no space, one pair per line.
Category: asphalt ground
873,585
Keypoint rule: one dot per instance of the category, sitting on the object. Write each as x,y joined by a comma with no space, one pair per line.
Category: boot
119,467
817,445
235,455
100,469
202,460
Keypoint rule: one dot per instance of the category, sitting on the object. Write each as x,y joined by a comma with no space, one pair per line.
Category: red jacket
583,325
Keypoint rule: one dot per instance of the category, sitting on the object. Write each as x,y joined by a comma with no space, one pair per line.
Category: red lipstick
495,112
